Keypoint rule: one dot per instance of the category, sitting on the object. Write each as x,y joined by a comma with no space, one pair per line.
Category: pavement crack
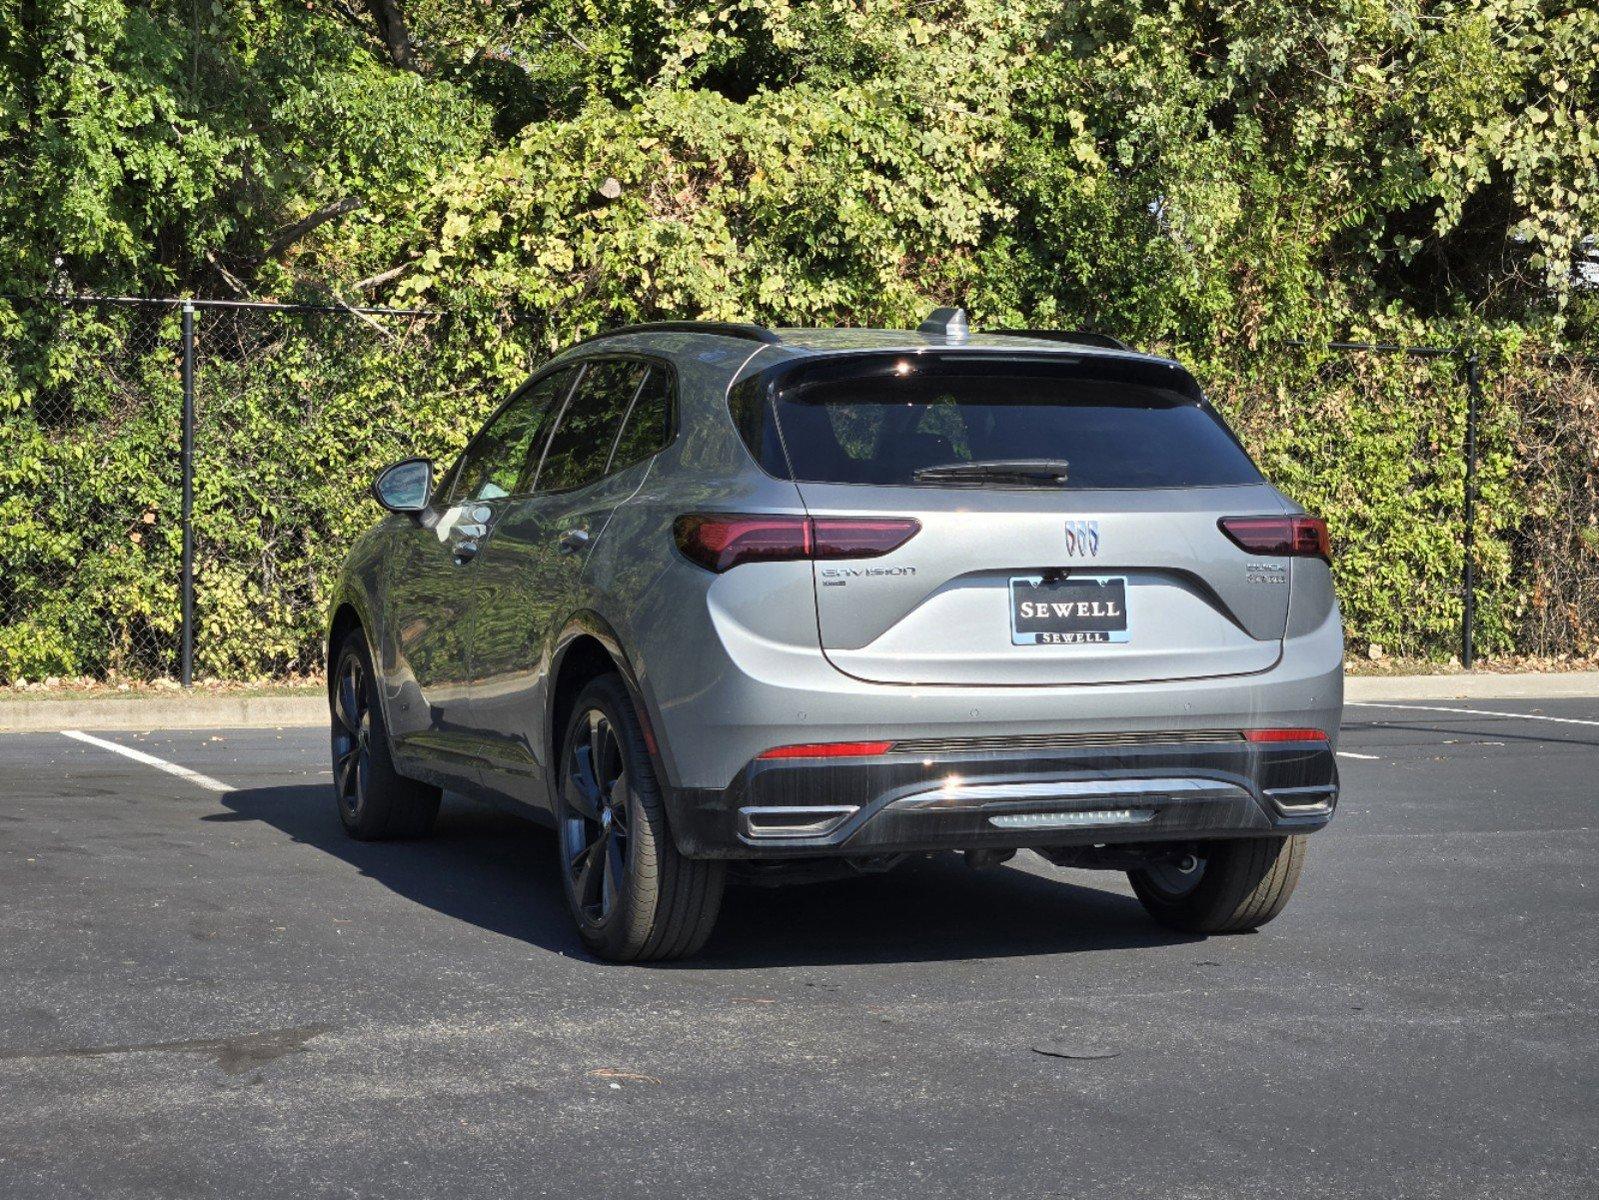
233,1055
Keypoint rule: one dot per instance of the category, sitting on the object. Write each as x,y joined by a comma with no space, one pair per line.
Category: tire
374,800
633,897
1237,885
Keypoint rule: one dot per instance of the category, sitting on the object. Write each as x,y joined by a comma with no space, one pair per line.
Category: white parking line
149,760
1352,754
1471,712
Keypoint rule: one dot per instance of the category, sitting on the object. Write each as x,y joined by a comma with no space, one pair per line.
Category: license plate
1077,610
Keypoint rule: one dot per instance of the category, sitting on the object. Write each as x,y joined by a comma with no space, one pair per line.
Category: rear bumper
923,797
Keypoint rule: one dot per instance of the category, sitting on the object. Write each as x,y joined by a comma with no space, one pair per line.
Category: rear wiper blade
1007,470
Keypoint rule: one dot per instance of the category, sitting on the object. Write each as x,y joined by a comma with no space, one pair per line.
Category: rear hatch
1068,510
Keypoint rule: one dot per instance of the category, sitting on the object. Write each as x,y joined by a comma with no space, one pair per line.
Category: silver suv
722,602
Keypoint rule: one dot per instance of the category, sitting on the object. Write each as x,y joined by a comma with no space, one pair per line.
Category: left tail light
721,541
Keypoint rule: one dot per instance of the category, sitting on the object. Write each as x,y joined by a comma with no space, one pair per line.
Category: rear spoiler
1077,337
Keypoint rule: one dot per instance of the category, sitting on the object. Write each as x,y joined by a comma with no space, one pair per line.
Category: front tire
1227,886
375,801
632,896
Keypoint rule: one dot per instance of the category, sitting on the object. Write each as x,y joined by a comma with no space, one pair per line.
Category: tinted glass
649,421
582,440
498,457
879,419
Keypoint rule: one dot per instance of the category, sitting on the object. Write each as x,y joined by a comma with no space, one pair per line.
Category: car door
530,575
431,596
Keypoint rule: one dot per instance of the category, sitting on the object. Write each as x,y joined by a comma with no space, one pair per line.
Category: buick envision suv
720,601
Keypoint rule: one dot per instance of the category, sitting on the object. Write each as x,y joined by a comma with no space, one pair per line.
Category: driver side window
494,461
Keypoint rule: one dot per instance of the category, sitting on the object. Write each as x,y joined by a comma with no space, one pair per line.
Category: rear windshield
880,419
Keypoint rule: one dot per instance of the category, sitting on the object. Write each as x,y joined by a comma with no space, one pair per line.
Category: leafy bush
1209,178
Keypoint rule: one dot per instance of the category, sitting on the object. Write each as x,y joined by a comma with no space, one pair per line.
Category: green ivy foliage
1212,179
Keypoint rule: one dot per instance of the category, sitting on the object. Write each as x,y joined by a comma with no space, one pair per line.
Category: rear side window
581,445
881,419
649,422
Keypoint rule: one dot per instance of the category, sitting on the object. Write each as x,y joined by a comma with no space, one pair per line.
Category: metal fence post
188,493
1468,573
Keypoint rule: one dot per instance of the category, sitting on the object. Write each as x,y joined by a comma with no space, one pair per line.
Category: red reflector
720,541
1284,735
1300,537
828,750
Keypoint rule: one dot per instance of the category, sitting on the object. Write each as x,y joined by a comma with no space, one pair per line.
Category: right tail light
1294,537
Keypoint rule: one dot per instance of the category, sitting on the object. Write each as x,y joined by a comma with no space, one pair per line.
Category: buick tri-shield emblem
1082,539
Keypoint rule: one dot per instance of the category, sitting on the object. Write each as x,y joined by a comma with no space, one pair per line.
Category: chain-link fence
90,491
1383,439
294,408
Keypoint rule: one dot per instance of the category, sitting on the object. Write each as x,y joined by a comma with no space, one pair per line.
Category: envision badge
855,572
1082,539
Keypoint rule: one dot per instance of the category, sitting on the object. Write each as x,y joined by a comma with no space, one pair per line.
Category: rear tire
633,897
1238,885
375,801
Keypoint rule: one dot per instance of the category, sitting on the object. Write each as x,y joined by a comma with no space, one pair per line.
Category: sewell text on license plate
1075,610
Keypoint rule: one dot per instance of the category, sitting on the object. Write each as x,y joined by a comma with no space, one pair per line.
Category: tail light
721,541
1284,735
1299,537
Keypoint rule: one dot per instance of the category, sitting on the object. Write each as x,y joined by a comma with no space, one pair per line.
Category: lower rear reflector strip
1072,820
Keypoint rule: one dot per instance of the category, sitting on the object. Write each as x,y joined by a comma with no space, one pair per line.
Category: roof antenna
945,322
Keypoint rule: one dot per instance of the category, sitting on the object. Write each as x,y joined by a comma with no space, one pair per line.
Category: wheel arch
345,618
588,647
350,612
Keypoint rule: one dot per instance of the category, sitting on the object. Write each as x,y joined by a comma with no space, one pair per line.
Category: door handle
465,552
572,541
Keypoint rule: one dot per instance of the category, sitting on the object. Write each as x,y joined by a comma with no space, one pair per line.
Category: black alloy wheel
595,841
632,895
374,799
352,737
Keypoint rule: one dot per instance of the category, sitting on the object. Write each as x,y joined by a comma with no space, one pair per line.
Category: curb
270,712
186,712
1552,686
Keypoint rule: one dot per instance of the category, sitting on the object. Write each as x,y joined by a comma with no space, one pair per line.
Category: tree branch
382,277
235,284
289,234
357,313
392,29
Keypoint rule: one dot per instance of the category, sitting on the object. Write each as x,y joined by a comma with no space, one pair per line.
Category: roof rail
732,329
1079,337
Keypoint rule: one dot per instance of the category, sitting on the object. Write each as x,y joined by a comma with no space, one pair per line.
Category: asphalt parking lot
212,992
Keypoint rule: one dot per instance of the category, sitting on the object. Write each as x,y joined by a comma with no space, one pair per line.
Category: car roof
836,341
757,346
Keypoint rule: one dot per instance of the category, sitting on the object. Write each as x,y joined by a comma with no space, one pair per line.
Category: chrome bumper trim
756,823
953,794
1303,801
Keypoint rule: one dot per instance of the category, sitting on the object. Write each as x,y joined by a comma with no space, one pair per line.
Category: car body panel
937,610
528,584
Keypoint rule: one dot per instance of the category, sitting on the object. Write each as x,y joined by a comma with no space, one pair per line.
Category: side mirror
405,487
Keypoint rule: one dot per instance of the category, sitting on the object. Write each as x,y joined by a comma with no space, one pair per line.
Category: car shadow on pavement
498,872
928,909
480,866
